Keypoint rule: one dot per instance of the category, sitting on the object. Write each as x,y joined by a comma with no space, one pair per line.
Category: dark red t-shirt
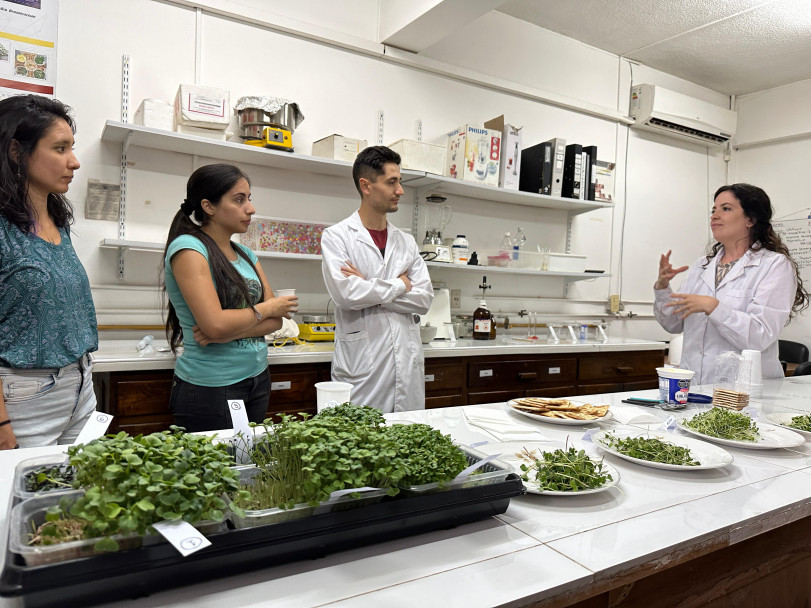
380,237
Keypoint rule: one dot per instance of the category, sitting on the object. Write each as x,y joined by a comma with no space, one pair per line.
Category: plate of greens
554,468
799,423
662,450
729,427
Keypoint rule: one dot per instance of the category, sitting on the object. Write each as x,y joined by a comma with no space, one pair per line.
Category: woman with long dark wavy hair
47,318
220,304
741,294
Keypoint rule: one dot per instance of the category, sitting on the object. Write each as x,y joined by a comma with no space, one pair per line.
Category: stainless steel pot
254,120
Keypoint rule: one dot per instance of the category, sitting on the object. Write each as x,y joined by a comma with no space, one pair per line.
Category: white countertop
543,545
121,355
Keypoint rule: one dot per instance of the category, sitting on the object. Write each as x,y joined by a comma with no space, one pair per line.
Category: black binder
536,169
572,171
592,177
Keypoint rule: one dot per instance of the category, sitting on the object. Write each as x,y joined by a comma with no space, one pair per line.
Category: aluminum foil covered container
274,110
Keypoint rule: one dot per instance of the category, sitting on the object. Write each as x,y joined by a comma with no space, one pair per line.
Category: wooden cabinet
610,373
139,401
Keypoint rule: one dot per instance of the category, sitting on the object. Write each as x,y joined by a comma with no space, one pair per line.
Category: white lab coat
754,303
377,336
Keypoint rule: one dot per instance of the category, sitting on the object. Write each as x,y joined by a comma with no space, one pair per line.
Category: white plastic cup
756,374
330,394
280,293
674,384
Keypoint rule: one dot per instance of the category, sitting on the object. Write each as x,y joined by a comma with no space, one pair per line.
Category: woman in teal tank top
47,319
220,304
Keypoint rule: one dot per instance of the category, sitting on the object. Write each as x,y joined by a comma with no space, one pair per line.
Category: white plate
784,419
508,453
565,421
710,456
770,437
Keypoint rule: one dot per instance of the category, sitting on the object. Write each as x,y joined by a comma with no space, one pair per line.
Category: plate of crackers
559,411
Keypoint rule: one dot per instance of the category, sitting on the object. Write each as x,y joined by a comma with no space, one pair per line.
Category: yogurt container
674,384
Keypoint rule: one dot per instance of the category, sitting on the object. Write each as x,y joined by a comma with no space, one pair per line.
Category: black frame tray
140,572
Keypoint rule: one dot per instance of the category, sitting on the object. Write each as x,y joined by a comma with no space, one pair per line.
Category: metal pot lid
271,105
315,319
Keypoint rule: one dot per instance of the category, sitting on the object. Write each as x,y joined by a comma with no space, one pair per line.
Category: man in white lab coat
379,283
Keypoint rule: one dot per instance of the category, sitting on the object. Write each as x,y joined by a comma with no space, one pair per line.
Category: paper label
182,536
670,424
94,428
242,429
589,435
203,104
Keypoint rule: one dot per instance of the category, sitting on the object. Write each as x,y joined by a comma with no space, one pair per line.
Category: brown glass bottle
481,322
492,326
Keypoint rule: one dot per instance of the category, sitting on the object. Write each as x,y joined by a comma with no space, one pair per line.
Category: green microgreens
724,424
652,449
564,471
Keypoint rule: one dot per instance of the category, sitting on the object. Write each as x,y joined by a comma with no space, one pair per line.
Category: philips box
420,156
474,155
202,107
510,166
338,147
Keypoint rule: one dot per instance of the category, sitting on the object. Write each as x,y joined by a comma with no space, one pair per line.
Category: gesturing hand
666,271
685,304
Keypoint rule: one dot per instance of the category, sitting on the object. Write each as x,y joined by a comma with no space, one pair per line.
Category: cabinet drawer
443,376
292,386
141,394
619,366
443,401
519,373
493,396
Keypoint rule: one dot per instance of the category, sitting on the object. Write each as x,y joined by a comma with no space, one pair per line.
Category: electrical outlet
456,298
614,303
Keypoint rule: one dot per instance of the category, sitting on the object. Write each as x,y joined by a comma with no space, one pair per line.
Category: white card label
485,373
429,377
280,386
589,434
554,370
183,536
94,428
670,424
242,428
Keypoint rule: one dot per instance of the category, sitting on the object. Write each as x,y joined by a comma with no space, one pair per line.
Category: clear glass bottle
481,322
506,245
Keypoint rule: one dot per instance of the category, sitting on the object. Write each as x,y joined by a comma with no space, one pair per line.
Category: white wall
780,119
340,91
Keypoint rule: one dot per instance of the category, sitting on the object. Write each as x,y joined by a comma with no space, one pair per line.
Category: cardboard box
510,165
202,107
420,156
155,113
338,147
209,133
474,155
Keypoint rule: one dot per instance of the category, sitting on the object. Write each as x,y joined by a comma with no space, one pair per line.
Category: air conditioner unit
670,113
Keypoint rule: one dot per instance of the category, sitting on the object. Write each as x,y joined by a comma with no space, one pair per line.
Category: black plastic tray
140,572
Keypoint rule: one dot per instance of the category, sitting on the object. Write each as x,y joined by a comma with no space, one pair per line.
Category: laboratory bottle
492,326
481,322
506,245
460,249
518,242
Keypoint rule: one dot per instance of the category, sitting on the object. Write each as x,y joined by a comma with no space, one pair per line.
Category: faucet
522,313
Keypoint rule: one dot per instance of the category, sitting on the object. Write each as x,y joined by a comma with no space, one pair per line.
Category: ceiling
730,46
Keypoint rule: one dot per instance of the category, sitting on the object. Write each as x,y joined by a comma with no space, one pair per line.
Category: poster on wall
28,31
796,234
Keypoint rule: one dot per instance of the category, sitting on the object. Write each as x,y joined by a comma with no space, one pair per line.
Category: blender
437,216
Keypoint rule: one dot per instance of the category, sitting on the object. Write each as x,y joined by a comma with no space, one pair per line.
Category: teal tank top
215,364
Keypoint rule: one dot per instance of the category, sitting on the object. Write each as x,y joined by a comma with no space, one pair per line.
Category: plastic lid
483,304
460,236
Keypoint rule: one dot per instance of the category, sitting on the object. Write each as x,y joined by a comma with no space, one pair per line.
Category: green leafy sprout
724,424
569,470
652,449
801,422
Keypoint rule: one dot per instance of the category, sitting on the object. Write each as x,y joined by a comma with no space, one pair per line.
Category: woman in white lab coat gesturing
740,295
379,282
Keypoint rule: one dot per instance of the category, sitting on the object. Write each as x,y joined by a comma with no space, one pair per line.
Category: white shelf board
448,185
158,139
569,276
158,248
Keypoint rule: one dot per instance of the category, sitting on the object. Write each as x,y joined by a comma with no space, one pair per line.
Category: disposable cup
330,394
756,374
674,384
280,293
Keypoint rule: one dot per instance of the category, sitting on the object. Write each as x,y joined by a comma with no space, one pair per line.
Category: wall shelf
157,139
136,135
124,245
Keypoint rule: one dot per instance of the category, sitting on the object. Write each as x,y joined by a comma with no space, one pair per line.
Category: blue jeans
204,408
49,406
